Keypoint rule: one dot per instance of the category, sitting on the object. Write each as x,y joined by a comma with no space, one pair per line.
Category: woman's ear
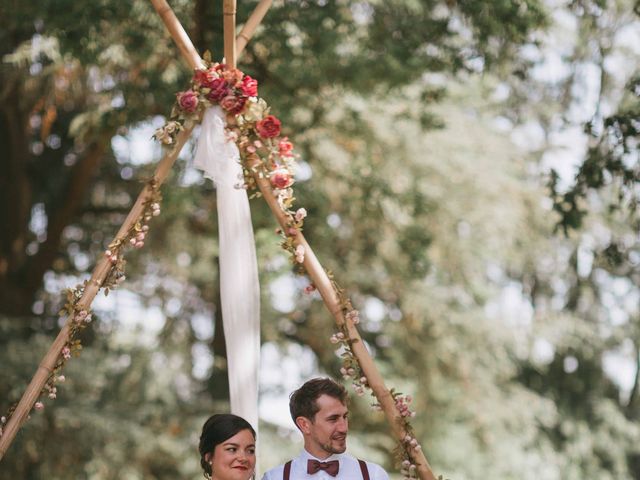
208,457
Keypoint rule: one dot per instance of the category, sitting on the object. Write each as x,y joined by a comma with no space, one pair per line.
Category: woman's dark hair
217,429
302,402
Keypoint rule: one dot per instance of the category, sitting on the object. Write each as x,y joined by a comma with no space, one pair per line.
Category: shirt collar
304,456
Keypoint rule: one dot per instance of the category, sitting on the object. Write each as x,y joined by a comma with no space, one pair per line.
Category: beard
335,445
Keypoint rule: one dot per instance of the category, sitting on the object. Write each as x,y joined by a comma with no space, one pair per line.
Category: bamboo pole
324,286
178,33
252,23
91,289
322,282
184,43
229,32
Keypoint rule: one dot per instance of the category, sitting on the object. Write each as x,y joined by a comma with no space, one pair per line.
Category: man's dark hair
302,402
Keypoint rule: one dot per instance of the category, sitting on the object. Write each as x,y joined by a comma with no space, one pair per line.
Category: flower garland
81,317
351,370
265,153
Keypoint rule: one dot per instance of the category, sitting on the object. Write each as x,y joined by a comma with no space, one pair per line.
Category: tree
427,230
79,80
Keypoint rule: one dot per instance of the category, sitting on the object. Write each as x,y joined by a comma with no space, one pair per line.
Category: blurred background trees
471,174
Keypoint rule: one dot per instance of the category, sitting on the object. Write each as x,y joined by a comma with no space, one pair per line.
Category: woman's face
235,458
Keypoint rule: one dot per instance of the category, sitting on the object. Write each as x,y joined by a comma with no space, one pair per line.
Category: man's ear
304,424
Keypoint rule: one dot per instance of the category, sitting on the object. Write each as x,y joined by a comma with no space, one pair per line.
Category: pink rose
301,213
188,101
219,89
249,86
354,316
285,147
233,104
281,178
268,127
233,76
205,78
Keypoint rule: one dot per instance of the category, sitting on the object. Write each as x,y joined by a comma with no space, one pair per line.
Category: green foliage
610,163
433,221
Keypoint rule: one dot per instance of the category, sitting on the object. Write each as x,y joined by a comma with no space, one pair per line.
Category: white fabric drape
239,287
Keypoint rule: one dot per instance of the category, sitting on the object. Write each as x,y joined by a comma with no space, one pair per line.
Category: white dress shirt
349,469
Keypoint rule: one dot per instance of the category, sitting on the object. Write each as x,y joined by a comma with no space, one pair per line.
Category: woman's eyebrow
231,444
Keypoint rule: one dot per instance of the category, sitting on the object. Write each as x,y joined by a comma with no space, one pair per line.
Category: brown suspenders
287,470
363,468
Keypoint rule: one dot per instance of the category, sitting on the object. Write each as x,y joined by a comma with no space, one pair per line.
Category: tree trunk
15,203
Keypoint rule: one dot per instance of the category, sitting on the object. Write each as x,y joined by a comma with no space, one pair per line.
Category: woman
228,448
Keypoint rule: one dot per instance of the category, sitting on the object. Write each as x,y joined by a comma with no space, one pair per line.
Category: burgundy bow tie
331,467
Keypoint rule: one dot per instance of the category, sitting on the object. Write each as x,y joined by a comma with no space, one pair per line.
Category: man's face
326,434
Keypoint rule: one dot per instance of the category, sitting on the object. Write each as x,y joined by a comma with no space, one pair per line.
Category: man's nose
343,425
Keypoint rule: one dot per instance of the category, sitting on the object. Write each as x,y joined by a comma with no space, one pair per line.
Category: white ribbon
219,158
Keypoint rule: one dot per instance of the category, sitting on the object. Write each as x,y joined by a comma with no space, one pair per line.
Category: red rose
281,178
205,78
249,86
219,90
188,101
268,127
285,147
233,104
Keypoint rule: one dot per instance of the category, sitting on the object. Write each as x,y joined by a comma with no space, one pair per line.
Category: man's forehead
330,405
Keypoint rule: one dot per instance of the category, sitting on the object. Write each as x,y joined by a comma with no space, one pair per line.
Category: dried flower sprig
351,370
79,316
134,237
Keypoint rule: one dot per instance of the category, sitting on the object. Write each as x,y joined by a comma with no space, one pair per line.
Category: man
319,410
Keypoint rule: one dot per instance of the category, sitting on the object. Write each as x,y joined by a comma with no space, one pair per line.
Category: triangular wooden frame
233,46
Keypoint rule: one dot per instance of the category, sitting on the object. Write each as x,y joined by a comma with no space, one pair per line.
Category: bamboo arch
233,47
